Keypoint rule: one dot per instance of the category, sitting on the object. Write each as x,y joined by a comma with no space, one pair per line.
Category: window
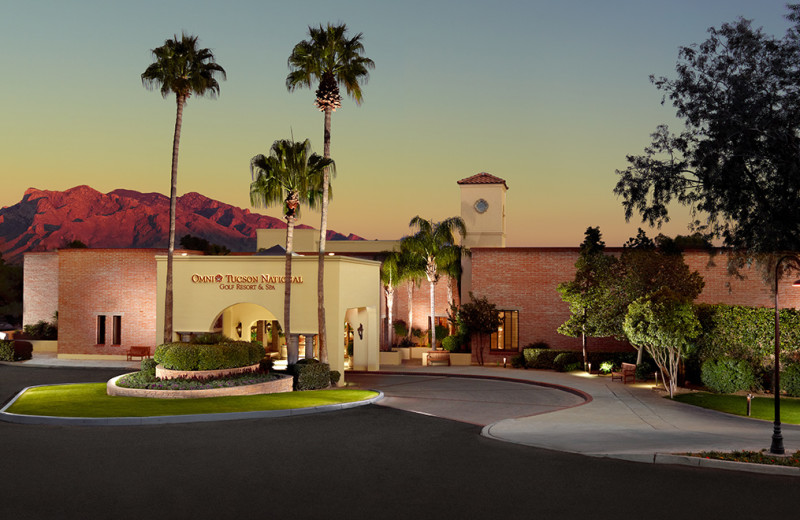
116,330
507,335
101,330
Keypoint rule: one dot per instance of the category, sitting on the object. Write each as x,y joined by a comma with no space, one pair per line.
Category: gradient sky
549,95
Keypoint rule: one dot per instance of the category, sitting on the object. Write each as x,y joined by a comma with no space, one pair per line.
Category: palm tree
434,243
328,58
182,69
397,267
290,175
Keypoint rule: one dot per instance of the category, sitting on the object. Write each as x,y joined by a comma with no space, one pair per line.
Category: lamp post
777,438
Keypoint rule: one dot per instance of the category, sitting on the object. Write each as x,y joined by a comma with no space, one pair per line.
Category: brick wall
106,282
525,279
40,287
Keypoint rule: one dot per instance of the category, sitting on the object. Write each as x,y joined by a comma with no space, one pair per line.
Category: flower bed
275,385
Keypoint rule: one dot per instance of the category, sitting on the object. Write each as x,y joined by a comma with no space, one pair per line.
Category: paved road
373,462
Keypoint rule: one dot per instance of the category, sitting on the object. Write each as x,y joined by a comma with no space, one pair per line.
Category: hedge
230,354
6,351
310,374
790,380
746,333
726,376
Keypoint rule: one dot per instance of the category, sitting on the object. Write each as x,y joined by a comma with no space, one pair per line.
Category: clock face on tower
481,206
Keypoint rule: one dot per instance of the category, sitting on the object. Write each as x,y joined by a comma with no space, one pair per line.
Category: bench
628,371
140,352
438,356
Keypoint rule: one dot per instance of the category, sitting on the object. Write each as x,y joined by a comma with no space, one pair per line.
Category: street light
777,438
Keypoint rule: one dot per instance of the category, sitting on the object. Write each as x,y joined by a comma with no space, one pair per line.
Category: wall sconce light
360,331
239,329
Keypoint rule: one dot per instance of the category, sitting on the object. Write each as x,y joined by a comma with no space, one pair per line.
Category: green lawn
762,407
91,400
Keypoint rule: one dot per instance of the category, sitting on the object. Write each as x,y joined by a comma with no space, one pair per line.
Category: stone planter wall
164,373
391,358
282,384
461,358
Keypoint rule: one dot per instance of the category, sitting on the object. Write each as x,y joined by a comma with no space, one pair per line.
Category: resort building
108,300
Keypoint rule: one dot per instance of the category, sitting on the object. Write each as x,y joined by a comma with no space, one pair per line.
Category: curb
170,419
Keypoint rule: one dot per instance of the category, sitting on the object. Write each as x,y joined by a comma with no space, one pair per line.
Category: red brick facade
105,282
40,279
525,279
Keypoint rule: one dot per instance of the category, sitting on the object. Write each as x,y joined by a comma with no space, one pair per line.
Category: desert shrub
310,374
726,376
790,380
518,361
541,358
606,367
450,343
335,377
41,330
565,361
6,351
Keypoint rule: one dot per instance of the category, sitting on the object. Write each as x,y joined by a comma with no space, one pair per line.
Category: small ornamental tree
585,294
481,319
663,323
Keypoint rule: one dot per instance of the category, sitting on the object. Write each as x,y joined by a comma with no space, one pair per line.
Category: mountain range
45,220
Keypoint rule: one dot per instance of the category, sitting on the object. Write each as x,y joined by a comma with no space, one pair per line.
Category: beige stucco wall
350,283
486,229
307,241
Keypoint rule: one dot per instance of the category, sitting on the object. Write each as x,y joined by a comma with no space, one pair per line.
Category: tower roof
483,178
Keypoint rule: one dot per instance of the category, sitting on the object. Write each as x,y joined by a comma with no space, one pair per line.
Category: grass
91,400
762,407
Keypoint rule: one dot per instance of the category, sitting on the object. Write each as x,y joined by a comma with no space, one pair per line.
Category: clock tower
483,208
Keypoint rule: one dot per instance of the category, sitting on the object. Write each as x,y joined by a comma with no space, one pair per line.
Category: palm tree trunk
291,346
323,231
389,305
433,317
173,199
410,308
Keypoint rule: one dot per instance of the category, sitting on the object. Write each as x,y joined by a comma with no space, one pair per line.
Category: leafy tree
201,244
644,268
328,58
291,175
663,323
183,69
735,164
434,244
479,317
585,294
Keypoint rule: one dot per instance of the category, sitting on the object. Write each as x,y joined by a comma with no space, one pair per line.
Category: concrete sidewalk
631,422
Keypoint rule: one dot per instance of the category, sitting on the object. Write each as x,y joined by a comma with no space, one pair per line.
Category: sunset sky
548,95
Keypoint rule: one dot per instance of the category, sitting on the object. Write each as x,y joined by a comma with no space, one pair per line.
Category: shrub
606,367
539,357
645,370
265,365
564,361
335,377
405,343
400,328
149,366
188,356
210,338
6,351
450,343
518,361
310,374
41,330
726,376
790,380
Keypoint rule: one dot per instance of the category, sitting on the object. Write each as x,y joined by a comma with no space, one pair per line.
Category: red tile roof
483,178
